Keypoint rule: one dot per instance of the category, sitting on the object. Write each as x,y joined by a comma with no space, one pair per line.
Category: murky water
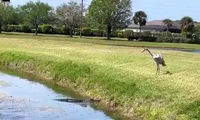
177,49
28,100
196,51
186,50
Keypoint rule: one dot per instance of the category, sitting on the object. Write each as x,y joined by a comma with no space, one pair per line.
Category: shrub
86,32
114,34
26,28
176,35
169,37
186,35
130,35
65,30
47,29
17,28
13,28
184,40
33,30
10,28
77,31
165,37
196,38
40,29
96,32
178,40
4,28
148,36
57,30
120,34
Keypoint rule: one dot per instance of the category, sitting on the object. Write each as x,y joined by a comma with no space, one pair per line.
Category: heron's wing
159,59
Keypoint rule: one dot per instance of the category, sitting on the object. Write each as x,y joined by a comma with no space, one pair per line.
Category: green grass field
114,71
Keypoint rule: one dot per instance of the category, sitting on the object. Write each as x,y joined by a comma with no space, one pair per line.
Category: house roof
155,22
157,25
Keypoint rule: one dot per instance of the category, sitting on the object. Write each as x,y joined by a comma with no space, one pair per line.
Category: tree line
104,17
190,30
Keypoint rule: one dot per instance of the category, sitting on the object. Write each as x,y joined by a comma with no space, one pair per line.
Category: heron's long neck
150,52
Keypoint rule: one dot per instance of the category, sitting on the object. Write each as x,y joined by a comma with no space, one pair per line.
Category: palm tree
140,19
187,24
168,23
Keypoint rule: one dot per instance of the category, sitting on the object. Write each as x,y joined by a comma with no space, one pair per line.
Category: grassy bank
120,76
102,41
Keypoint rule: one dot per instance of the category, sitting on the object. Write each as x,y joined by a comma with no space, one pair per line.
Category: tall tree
36,13
168,23
187,24
109,14
70,15
8,15
197,29
81,25
140,18
2,15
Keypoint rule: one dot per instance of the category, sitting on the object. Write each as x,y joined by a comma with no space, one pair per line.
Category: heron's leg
158,69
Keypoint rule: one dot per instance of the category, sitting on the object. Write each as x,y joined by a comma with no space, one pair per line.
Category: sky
155,9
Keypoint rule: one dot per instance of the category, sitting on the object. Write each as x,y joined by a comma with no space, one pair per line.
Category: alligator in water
77,100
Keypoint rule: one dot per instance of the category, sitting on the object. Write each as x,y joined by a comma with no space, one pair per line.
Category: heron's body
158,58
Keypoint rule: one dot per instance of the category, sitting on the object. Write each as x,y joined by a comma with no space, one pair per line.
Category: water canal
23,99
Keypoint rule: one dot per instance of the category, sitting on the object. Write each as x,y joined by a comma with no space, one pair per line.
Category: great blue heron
158,58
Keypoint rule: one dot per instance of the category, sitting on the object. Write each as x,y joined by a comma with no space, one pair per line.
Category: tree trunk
109,28
167,31
81,32
71,32
140,32
81,28
36,29
0,28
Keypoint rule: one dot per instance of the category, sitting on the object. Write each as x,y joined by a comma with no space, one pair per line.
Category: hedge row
166,37
46,29
49,29
17,28
129,34
145,36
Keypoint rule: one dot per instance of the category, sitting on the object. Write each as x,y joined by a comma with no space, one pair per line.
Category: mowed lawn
123,74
